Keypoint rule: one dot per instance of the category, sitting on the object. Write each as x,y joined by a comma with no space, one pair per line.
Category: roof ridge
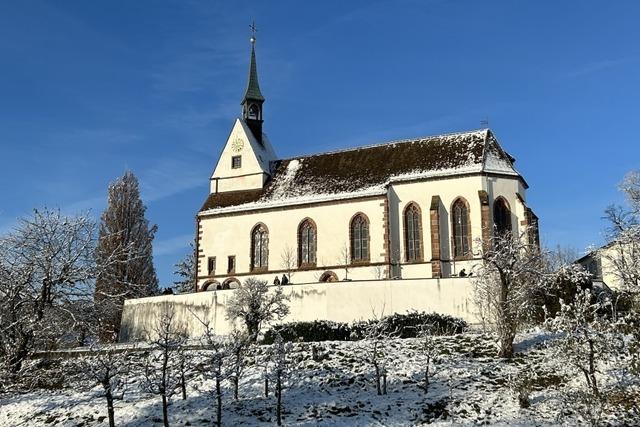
380,144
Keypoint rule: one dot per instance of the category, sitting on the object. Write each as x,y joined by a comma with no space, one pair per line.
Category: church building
408,209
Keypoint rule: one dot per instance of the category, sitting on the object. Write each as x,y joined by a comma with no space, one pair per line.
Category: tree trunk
236,380
109,396
183,385
426,378
165,411
384,382
506,345
266,387
279,398
218,402
378,380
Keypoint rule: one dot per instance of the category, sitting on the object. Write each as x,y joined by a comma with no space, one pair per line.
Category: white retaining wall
337,301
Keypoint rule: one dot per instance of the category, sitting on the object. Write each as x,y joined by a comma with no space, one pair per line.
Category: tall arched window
413,233
501,217
259,247
461,228
359,231
307,243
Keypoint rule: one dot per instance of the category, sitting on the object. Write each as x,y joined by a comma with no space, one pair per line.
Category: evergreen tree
125,247
185,269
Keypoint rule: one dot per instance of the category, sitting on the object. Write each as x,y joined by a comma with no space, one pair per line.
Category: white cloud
172,245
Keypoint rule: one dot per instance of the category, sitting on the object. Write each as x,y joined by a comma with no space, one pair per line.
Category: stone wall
338,301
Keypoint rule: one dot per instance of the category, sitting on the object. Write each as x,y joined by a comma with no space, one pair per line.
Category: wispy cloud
169,177
172,245
598,66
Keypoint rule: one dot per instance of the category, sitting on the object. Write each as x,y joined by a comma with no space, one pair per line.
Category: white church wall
341,302
230,235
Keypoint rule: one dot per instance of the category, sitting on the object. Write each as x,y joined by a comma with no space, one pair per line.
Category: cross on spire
254,30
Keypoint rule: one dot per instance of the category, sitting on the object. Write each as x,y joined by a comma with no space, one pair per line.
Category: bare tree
46,269
624,235
215,351
186,270
507,284
162,366
281,369
429,352
345,258
255,305
239,347
108,368
126,235
373,349
289,261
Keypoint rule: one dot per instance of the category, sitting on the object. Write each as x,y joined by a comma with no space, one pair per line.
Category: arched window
359,231
413,233
501,217
307,243
259,247
461,228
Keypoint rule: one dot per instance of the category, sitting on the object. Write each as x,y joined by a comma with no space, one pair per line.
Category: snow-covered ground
470,387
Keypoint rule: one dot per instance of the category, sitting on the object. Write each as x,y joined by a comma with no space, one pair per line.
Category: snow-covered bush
254,305
591,344
414,324
314,331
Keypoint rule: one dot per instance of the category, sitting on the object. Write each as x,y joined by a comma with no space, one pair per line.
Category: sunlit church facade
410,209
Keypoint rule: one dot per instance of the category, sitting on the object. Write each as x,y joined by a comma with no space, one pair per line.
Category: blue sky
90,89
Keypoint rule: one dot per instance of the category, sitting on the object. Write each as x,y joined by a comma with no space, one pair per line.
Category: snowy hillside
470,386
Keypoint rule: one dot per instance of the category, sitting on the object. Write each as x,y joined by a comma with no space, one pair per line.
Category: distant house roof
366,171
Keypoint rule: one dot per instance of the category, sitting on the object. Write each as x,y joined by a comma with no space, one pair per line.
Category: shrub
318,330
406,325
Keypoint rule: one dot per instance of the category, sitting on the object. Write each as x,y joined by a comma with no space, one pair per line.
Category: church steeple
253,99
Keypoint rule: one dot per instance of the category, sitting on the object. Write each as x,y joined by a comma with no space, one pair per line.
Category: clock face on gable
237,145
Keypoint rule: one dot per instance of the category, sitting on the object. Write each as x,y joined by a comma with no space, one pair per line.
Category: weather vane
254,30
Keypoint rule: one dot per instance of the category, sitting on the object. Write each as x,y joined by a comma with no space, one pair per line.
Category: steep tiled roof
367,170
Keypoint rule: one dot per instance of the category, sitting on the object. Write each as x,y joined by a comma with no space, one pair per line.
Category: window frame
308,261
264,248
465,238
211,271
239,162
231,264
360,240
413,233
502,202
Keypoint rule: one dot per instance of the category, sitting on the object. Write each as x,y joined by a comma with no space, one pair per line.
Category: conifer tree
125,246
185,269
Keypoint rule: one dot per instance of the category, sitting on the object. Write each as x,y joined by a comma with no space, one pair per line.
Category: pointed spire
253,88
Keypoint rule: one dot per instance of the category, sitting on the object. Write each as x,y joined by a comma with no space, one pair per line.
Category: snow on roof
367,171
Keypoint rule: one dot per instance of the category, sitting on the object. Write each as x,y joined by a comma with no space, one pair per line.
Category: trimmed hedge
401,325
318,330
410,324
